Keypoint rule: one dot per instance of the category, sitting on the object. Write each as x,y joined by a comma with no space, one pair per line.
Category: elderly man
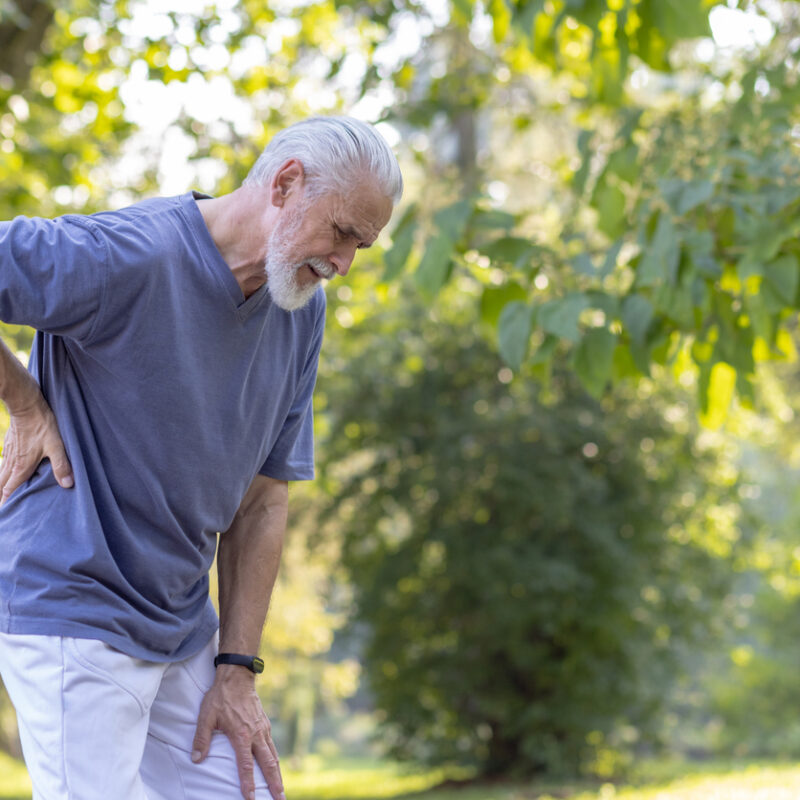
168,399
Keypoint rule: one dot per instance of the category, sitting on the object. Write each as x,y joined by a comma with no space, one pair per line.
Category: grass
340,779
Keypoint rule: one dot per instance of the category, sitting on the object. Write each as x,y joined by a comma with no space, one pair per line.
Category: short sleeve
52,274
292,456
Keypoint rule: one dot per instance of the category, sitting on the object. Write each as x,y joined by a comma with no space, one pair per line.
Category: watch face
258,665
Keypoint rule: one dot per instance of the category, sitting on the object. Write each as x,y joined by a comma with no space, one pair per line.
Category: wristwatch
253,663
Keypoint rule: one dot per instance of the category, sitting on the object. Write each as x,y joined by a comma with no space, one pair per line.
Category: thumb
61,466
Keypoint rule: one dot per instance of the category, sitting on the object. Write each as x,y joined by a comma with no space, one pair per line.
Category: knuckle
246,764
243,737
270,762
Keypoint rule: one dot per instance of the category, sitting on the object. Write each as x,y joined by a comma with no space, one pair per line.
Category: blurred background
556,528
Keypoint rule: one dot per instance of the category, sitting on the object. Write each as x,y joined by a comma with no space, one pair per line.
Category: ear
289,178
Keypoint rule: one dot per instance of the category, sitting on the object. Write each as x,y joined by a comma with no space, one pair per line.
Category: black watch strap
253,663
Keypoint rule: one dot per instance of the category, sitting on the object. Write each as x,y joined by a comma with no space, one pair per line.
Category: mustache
322,268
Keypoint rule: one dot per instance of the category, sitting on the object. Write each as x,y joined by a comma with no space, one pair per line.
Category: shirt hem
197,640
288,474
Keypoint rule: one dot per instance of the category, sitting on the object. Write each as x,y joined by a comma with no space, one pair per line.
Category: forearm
247,564
18,389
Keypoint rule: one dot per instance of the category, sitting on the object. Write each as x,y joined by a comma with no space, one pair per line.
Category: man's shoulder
152,208
157,225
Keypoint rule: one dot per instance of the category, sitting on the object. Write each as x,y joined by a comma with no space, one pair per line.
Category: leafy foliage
681,234
529,572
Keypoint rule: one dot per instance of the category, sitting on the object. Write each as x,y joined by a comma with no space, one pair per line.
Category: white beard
286,292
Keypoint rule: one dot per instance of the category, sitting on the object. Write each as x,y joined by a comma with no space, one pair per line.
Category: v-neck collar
243,307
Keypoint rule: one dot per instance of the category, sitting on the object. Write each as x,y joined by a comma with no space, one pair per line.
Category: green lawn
365,780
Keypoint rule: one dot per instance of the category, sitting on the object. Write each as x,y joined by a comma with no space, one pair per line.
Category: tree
530,571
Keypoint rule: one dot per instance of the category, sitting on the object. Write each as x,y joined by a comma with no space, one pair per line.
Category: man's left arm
247,564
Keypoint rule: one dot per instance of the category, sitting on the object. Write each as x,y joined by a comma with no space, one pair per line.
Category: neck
237,226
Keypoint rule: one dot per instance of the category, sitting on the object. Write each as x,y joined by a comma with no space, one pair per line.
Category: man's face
318,239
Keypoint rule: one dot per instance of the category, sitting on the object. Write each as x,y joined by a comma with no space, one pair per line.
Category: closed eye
341,233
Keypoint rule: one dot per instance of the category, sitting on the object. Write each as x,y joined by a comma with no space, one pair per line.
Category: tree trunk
22,31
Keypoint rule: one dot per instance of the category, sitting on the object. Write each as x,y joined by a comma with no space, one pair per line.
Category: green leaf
679,19
608,74
402,242
510,249
772,301
637,314
623,164
594,359
462,11
659,262
610,204
493,218
735,342
716,386
514,332
765,237
544,352
782,275
501,17
693,194
525,14
560,317
434,267
764,323
779,198
677,304
588,12
452,220
610,262
495,298
607,303
582,264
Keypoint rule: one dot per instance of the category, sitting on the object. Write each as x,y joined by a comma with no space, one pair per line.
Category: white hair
335,153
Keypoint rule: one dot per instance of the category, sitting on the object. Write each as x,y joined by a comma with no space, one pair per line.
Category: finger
6,457
267,757
18,476
244,765
5,472
202,737
60,465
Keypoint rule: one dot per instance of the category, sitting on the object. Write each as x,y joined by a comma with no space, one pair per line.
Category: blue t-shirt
171,393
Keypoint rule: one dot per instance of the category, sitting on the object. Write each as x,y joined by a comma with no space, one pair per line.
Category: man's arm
33,432
247,564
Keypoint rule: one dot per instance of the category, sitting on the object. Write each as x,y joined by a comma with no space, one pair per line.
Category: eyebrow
351,231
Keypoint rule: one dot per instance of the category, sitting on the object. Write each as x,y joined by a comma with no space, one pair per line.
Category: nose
342,258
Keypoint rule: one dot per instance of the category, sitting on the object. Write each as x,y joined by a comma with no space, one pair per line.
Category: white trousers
96,724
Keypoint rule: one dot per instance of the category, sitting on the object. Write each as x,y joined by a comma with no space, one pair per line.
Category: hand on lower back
32,436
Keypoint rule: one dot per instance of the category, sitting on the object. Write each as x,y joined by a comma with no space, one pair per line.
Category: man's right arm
52,274
32,433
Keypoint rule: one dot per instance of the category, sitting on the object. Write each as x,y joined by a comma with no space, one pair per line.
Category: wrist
24,397
251,663
235,678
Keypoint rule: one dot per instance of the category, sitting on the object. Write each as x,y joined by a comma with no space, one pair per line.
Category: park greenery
554,529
